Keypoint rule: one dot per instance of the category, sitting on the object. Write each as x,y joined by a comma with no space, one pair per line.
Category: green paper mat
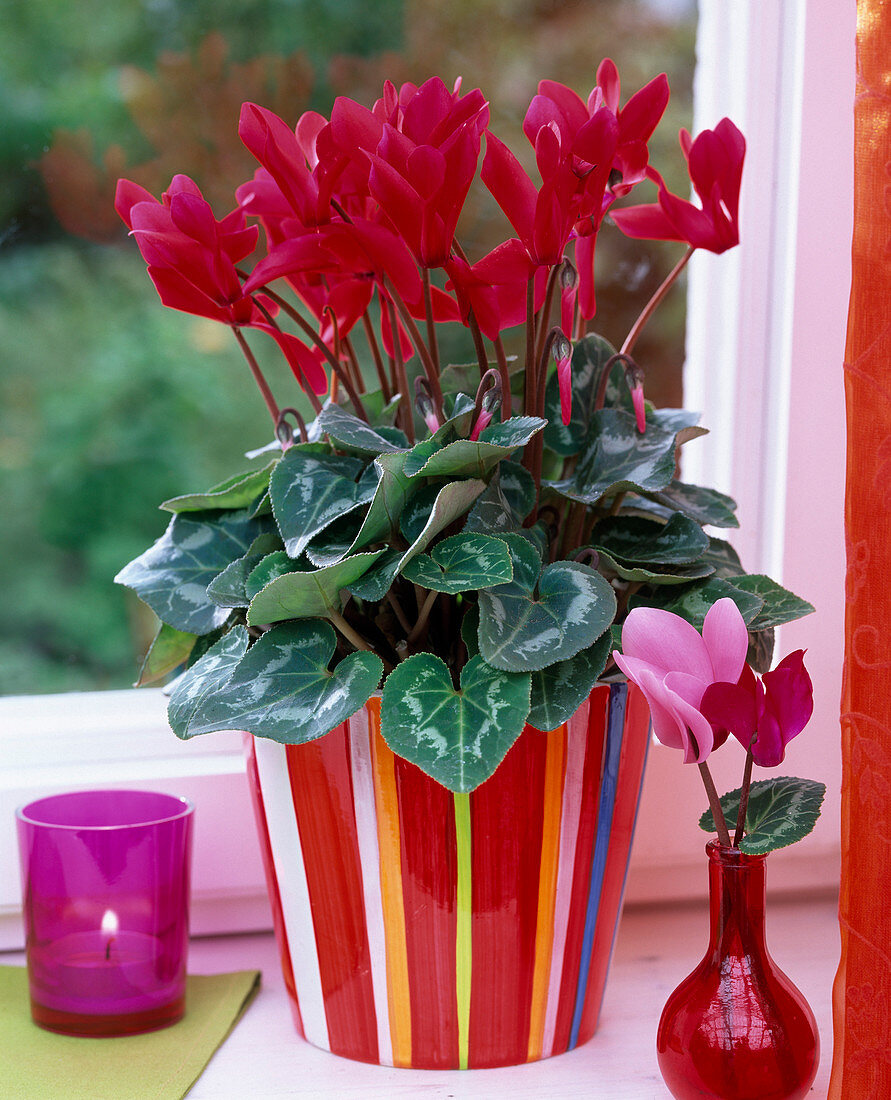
160,1065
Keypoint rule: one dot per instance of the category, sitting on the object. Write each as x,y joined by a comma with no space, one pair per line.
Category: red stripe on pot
322,789
507,815
429,888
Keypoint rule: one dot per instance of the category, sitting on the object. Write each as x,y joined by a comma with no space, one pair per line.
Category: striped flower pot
423,928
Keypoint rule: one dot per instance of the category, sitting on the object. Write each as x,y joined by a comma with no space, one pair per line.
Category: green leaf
457,737
781,811
169,649
200,683
456,427
464,458
172,575
724,558
617,457
462,563
657,574
780,605
281,688
693,601
334,543
526,626
375,584
518,486
276,564
228,589
381,413
560,689
309,491
313,594
493,513
417,511
452,501
393,491
352,434
638,540
589,356
236,492
706,506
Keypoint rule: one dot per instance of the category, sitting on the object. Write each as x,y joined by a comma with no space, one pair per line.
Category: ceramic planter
423,928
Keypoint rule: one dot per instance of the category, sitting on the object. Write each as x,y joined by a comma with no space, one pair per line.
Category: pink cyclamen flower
764,714
673,665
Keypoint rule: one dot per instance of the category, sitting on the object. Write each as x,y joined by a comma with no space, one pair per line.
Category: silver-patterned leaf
589,356
526,626
639,541
172,575
466,458
203,680
462,563
393,491
452,501
310,490
352,434
781,811
312,594
228,589
457,737
559,690
238,491
282,688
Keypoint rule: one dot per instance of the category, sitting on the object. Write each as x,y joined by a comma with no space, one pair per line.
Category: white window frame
772,321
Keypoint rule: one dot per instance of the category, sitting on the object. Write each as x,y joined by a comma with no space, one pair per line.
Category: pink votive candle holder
105,879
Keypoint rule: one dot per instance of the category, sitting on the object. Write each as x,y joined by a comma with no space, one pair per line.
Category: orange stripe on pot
398,995
555,765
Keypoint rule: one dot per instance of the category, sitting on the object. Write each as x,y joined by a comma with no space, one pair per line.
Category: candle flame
110,922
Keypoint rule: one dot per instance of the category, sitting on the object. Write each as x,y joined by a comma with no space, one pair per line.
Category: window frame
753,311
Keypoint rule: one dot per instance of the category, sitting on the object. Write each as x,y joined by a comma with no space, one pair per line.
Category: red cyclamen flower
715,162
771,710
191,260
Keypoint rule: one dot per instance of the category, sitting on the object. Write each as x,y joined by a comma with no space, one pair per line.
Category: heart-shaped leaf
466,458
693,601
375,584
560,689
462,563
352,434
172,575
276,564
589,356
282,688
706,506
457,737
638,540
394,490
781,811
228,588
780,605
236,492
456,427
310,490
617,458
204,679
169,649
526,626
313,594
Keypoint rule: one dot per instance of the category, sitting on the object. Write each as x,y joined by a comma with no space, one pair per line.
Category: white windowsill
656,948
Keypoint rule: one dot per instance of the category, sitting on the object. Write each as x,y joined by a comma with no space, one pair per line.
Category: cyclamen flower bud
424,404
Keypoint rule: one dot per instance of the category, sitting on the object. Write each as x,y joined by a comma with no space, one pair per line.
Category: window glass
110,403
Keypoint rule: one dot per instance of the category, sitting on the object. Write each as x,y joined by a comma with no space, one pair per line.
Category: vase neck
736,900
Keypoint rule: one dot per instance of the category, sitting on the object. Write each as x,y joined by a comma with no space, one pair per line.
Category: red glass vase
737,1028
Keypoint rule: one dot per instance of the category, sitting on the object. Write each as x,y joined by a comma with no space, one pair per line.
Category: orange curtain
862,994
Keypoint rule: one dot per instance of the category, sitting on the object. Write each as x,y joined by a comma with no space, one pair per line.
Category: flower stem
431,325
546,312
258,376
743,800
422,349
348,632
405,412
648,309
715,805
424,615
505,379
530,388
376,356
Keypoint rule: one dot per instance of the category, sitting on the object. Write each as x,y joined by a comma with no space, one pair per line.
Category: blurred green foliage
109,403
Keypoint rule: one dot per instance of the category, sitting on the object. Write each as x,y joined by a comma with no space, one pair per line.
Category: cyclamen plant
469,534
700,689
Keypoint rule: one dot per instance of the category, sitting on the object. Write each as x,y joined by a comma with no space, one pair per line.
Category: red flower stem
715,805
422,349
505,378
307,328
376,356
405,411
648,309
258,376
529,388
478,344
431,325
743,800
544,316
354,364
543,368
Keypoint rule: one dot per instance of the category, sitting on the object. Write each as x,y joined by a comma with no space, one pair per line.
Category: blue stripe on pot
618,695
